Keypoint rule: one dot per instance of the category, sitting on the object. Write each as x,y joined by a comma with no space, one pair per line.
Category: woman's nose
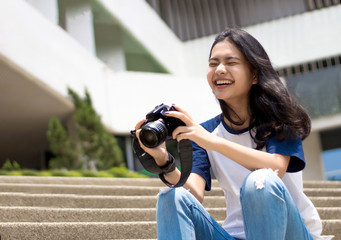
220,69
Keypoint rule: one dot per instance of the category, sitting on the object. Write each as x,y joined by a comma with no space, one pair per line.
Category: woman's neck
241,114
245,124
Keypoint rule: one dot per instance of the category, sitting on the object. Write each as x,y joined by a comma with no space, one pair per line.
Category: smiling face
229,74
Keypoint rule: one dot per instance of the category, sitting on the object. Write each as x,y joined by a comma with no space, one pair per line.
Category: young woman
254,149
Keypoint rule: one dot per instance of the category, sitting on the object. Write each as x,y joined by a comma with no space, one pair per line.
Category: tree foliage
10,165
93,147
61,146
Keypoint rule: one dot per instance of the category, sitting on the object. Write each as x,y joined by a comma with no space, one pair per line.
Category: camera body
158,127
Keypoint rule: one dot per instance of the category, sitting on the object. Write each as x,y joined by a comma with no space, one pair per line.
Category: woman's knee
261,182
172,197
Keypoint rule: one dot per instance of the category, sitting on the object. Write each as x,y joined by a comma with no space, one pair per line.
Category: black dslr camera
158,127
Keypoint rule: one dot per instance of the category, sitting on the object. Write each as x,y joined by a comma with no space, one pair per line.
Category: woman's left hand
192,131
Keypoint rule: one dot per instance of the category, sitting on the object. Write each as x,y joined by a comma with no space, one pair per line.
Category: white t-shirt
231,175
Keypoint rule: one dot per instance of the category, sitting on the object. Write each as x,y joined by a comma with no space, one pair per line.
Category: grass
113,172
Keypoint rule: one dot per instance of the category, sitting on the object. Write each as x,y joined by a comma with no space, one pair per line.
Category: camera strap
148,162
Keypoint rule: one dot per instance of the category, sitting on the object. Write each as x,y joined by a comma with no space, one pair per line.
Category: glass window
319,91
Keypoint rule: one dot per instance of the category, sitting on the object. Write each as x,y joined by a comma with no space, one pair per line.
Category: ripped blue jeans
268,212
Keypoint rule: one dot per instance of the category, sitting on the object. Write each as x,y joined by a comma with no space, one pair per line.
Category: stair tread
87,189
125,181
67,207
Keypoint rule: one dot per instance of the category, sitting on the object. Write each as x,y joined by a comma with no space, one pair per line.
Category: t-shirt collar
230,130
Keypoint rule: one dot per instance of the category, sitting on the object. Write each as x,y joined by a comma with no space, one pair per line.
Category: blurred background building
132,55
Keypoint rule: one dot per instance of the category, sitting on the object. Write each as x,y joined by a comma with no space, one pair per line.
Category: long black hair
274,112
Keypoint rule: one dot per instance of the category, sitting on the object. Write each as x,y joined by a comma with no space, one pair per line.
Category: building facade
133,55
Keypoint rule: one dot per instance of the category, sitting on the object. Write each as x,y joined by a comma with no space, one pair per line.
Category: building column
314,169
109,46
48,8
129,153
77,20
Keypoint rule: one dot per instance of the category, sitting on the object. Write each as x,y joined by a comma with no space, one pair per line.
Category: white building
134,54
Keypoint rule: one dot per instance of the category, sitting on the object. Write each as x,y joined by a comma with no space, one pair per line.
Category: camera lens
153,133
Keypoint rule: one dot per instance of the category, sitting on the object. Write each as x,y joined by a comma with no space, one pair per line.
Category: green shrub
124,172
113,172
92,147
146,173
65,173
16,166
28,172
89,173
10,173
4,173
10,166
60,145
7,166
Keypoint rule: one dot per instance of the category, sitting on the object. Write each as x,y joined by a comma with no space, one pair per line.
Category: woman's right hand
159,153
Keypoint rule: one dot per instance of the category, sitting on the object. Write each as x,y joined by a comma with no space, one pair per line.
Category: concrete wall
79,56
313,154
288,41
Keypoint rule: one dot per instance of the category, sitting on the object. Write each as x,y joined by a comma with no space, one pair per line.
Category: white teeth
220,82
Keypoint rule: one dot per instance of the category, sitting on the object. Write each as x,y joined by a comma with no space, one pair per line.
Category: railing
318,91
309,66
190,19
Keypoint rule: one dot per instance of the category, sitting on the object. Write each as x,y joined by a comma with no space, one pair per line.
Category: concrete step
89,201
101,230
99,201
326,201
127,181
332,227
46,214
329,212
85,181
114,208
117,190
323,192
76,201
322,184
77,230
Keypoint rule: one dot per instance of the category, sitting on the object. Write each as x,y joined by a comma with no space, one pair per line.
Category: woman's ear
254,77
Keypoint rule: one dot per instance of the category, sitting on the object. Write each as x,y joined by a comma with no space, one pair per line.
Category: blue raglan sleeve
289,147
201,164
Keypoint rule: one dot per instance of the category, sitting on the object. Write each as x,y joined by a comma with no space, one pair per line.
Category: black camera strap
148,162
185,152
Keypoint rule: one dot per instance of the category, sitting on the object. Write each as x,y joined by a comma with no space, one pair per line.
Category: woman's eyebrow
225,59
231,58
